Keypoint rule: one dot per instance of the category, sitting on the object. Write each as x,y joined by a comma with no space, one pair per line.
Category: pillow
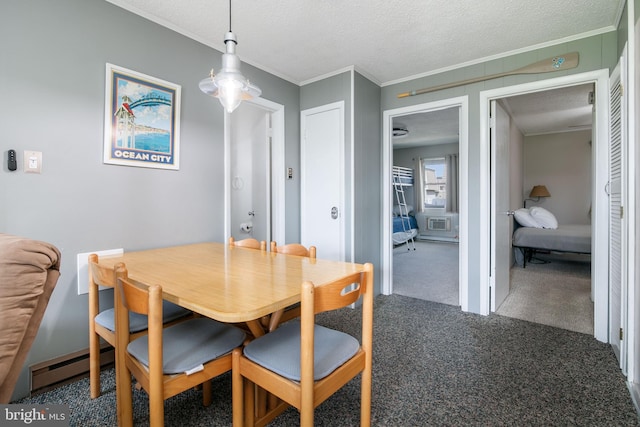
545,218
524,218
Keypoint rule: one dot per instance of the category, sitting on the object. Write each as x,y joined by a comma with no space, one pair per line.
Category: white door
616,223
500,214
249,155
322,180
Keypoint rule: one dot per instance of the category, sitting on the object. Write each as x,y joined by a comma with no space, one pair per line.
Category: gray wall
52,79
368,179
561,162
596,52
362,114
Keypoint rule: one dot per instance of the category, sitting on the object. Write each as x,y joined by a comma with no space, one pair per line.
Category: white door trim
387,201
277,169
599,237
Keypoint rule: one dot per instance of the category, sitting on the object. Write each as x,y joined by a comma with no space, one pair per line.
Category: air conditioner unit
439,223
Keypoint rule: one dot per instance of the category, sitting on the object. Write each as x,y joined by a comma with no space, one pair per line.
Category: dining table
227,283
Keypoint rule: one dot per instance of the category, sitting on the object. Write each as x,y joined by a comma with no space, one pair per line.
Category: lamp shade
229,85
539,191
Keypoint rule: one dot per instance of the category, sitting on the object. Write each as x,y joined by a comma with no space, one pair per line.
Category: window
434,186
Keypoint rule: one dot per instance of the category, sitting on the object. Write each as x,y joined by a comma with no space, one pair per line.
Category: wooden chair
293,311
102,323
248,243
303,363
168,360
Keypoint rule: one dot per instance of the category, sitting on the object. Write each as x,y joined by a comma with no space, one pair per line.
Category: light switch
32,161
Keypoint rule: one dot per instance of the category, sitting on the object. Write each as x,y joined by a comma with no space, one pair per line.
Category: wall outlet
83,267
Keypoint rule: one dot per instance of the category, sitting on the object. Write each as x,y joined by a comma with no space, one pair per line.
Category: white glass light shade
229,85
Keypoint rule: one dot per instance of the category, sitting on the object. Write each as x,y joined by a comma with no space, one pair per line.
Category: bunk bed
405,226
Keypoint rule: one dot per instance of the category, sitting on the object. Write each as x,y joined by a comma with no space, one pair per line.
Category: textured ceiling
395,40
552,111
386,40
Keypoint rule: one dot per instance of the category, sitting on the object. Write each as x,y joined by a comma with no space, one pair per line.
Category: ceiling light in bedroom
400,131
229,85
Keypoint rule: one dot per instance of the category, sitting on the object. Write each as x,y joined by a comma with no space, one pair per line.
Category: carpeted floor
429,272
555,293
433,366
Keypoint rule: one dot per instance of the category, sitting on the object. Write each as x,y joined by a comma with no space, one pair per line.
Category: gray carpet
433,365
430,272
556,293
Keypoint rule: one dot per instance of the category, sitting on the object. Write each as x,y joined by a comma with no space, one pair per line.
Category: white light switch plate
83,267
33,161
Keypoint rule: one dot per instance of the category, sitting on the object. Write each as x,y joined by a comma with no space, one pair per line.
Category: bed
568,238
401,236
405,226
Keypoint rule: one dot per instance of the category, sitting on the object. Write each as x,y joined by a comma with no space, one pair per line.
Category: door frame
599,236
461,102
277,178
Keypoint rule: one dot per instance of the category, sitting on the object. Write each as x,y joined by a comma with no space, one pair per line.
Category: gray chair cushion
189,344
279,351
138,322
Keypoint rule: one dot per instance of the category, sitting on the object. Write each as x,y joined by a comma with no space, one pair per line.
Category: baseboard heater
65,369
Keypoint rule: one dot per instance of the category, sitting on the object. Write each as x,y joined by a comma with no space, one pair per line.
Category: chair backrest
139,299
248,243
100,275
331,296
294,249
142,300
338,294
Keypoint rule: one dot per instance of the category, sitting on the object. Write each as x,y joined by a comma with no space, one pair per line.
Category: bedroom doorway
419,145
425,209
596,180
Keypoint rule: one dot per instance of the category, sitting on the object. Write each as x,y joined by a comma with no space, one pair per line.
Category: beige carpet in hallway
557,293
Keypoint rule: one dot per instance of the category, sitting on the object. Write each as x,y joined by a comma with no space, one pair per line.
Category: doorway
543,139
254,176
599,200
425,205
461,104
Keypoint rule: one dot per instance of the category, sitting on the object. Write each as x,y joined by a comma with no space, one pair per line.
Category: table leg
256,328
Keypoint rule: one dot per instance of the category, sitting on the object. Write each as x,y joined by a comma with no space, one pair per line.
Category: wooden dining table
226,283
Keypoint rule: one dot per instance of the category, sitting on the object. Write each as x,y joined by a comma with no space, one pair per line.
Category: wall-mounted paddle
557,63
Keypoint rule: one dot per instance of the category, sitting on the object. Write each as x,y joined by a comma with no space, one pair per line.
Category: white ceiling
553,111
390,41
385,40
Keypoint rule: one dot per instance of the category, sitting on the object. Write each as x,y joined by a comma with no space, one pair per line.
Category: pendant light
229,85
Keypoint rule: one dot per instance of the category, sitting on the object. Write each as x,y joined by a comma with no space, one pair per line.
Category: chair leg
365,400
94,364
156,409
237,391
124,397
206,393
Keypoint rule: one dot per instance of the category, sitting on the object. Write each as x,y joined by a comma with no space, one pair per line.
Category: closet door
617,294
322,215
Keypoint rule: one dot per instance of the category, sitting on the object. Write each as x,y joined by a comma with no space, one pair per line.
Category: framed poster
142,120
